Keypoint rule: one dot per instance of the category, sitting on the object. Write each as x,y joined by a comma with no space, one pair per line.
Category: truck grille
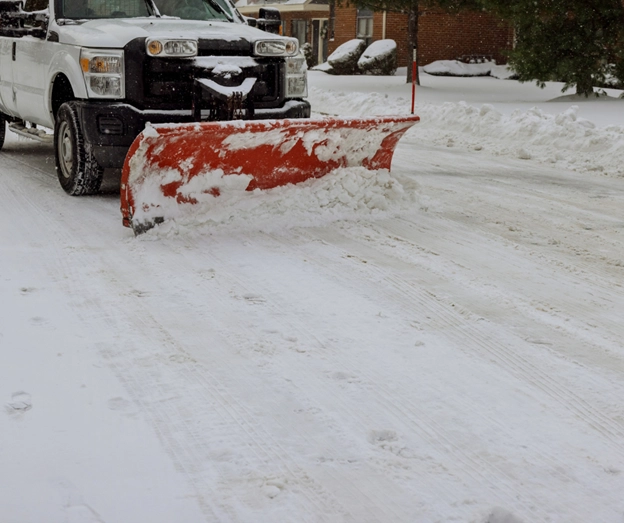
167,83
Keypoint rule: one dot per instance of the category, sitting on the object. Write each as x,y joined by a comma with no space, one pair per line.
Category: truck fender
66,62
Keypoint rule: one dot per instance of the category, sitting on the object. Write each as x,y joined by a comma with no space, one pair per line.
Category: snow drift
566,139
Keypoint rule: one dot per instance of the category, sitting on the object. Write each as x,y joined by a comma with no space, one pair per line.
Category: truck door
7,100
30,65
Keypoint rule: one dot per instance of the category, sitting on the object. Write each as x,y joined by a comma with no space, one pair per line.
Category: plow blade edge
180,164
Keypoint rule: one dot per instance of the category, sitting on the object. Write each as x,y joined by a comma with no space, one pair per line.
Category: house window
299,30
365,25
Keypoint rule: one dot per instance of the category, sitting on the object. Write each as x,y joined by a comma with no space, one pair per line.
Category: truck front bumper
110,128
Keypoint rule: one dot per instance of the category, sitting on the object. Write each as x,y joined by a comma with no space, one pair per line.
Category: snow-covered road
458,361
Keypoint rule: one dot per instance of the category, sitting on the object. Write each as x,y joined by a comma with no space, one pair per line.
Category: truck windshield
184,9
195,9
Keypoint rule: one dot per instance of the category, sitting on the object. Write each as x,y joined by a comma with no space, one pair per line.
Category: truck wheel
2,129
77,169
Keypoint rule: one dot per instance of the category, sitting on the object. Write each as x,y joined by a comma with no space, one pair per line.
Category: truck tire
2,129
77,169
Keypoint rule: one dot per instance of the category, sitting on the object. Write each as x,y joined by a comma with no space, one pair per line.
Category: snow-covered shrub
345,58
457,68
379,58
307,52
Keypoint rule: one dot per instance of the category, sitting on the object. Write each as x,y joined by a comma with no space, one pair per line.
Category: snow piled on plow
348,193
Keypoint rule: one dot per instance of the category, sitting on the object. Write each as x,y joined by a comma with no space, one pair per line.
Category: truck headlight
171,48
103,71
296,77
282,47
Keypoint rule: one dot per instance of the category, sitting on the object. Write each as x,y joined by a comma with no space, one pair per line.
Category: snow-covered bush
307,52
345,58
458,68
379,58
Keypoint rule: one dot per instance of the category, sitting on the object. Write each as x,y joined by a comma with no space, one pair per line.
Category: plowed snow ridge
563,139
346,193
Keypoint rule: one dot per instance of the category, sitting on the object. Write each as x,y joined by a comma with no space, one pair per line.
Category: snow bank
346,193
570,141
574,142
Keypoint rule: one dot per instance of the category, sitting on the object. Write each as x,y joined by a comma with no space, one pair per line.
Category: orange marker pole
413,79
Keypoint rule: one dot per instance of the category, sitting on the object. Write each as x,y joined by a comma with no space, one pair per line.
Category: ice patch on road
344,194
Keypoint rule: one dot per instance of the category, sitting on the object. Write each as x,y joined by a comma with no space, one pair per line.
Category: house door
319,39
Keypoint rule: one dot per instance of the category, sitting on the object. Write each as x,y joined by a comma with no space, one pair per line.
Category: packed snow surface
437,343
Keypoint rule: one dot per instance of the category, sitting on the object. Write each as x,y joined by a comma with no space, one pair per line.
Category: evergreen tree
573,41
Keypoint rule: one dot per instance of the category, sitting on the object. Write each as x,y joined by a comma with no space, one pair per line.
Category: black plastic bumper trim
110,149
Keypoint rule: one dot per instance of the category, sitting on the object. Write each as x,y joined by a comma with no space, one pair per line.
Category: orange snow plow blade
171,165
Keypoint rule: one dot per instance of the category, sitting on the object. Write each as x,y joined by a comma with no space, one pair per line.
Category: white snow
233,64
226,70
351,192
438,343
378,48
228,90
344,50
564,137
457,68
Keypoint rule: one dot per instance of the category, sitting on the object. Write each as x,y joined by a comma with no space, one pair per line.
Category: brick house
441,36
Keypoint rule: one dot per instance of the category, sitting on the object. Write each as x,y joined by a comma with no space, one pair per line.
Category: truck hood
117,33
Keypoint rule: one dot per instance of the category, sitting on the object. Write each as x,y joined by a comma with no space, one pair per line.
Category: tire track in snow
168,393
133,309
450,318
231,327
388,402
430,431
541,220
543,200
559,204
449,315
190,392
403,239
572,246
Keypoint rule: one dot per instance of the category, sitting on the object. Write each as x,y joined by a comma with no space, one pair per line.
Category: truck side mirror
16,22
269,20
9,14
35,5
250,21
36,24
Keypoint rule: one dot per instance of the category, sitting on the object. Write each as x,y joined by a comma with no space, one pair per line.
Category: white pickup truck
96,71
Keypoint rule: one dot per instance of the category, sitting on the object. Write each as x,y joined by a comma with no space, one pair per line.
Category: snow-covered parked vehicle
97,71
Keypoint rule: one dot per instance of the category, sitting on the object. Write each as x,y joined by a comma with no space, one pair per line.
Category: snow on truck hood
118,32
